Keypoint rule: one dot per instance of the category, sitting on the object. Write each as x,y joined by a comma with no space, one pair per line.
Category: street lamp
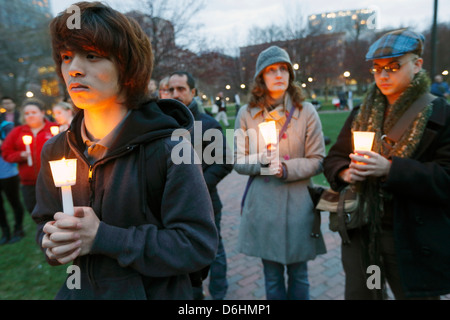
347,74
29,94
445,73
228,87
296,66
242,86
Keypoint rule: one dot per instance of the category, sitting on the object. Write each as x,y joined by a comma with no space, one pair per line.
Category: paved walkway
245,276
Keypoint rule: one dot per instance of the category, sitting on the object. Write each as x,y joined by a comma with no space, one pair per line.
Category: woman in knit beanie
277,213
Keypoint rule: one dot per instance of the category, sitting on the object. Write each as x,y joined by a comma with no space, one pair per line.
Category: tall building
343,21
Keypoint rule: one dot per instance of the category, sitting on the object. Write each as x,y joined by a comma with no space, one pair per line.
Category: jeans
218,283
297,282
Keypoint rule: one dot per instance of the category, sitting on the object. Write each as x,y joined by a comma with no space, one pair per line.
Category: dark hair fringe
114,36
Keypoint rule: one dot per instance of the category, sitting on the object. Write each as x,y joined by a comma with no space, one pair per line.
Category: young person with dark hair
135,233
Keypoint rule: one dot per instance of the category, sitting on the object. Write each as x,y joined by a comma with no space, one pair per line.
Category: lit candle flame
54,130
363,140
27,140
269,132
65,175
64,172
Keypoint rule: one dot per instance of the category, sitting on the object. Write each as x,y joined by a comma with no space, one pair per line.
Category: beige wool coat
277,216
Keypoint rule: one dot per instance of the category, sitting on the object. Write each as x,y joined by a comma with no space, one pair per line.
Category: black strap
251,178
341,216
410,114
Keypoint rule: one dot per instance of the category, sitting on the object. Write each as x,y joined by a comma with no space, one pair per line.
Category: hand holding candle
27,141
64,175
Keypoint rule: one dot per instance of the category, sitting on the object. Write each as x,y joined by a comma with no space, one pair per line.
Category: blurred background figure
153,88
164,89
222,114
440,87
13,149
10,187
11,113
63,113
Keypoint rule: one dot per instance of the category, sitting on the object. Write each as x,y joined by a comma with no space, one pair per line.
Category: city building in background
343,21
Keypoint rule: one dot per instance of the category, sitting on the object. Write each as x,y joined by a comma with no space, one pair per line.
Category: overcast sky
230,20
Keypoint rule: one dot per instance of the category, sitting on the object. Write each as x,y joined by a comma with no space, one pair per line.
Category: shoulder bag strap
402,124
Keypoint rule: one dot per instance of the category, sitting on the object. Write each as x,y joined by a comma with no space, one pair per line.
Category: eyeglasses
390,68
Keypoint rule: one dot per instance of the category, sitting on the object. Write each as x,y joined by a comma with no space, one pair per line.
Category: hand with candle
68,237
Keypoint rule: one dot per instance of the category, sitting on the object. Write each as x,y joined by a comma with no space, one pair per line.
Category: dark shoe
17,236
6,236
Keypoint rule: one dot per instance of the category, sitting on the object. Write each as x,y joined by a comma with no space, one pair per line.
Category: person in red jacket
14,150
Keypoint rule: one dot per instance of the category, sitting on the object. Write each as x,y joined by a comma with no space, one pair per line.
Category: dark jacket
213,172
146,245
420,186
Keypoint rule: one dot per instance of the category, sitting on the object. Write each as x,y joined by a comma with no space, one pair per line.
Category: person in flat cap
277,213
403,183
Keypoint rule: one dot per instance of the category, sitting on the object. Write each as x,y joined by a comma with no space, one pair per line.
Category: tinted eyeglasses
392,67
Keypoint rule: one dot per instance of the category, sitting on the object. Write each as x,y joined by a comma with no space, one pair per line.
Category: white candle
64,175
27,141
269,132
363,140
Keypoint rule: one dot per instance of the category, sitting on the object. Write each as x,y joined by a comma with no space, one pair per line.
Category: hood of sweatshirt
154,120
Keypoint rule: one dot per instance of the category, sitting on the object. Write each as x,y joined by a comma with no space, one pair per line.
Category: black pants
29,197
10,187
356,272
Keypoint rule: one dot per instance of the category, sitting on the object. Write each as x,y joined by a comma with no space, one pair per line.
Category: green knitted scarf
377,116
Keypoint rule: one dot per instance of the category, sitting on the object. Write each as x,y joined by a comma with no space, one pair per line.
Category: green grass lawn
24,273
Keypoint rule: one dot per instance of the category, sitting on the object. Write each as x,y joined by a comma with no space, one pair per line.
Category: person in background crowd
153,88
135,233
63,113
277,216
404,185
13,149
237,101
439,87
164,92
222,113
182,88
10,187
11,114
